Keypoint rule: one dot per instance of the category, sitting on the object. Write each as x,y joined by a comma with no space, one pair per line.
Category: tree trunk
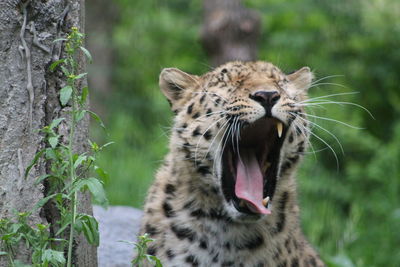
98,42
100,33
29,101
230,31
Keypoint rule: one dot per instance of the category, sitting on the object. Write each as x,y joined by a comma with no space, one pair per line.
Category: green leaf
65,70
18,263
90,228
97,118
42,227
58,240
41,178
102,174
93,145
106,145
79,160
43,201
55,64
51,154
63,227
79,115
87,53
53,141
59,40
55,123
85,93
97,190
53,256
3,253
65,94
94,186
78,226
341,260
46,129
79,76
7,237
35,159
155,260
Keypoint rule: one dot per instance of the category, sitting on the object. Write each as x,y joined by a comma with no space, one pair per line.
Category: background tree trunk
29,101
230,31
100,44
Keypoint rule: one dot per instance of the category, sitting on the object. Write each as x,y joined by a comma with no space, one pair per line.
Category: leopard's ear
174,83
301,79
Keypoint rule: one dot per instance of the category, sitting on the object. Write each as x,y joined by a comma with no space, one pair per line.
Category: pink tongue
249,182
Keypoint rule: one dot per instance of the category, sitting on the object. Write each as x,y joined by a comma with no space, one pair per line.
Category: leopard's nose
266,98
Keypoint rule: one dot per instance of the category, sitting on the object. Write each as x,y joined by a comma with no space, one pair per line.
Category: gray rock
117,223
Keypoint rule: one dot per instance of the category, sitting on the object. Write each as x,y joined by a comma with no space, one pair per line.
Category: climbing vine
68,174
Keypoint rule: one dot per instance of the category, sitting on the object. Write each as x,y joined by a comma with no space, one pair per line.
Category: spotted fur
186,212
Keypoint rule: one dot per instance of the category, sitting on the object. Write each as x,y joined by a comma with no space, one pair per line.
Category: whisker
298,124
218,158
233,132
210,68
198,142
335,84
329,119
315,106
323,141
338,103
322,128
237,139
315,151
223,147
209,148
331,95
326,77
211,114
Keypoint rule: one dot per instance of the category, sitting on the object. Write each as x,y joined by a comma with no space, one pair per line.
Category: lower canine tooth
265,201
279,128
241,204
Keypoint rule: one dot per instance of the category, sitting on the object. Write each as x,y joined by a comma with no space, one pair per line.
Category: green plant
37,238
68,173
141,252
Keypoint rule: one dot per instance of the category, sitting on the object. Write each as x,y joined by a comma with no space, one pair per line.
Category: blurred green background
350,212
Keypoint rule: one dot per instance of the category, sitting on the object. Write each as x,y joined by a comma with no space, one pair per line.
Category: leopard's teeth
279,128
265,201
242,204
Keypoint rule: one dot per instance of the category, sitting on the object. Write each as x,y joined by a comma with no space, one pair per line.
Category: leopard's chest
218,243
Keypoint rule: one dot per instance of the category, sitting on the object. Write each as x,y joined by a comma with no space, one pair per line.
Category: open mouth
250,166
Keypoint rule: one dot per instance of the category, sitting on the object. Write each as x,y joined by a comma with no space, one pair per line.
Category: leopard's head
242,126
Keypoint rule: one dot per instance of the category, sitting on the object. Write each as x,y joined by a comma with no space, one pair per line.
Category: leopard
225,193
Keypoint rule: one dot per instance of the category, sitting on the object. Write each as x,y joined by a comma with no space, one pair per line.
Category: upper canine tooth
279,128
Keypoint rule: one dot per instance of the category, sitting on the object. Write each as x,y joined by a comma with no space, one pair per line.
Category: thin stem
72,173
10,257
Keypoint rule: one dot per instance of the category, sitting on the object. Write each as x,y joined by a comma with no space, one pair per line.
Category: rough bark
29,101
230,31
